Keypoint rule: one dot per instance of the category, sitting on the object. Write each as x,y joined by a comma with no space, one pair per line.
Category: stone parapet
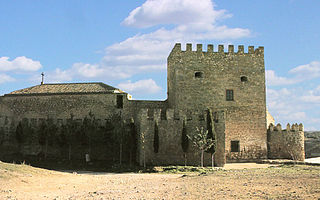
286,143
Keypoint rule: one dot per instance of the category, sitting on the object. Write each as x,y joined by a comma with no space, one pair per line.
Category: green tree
71,134
211,135
132,142
156,138
19,135
43,136
142,140
2,138
201,141
184,142
118,132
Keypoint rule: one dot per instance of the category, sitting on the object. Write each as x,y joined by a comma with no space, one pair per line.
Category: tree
42,135
211,135
142,138
70,133
19,135
89,127
46,134
132,141
118,132
156,138
184,142
1,135
201,141
51,132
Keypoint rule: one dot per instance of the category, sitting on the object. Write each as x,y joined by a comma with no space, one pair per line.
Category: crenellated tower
233,81
286,143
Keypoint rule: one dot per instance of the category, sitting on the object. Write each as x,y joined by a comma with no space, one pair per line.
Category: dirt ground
235,181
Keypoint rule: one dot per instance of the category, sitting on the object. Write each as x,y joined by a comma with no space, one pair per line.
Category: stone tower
230,81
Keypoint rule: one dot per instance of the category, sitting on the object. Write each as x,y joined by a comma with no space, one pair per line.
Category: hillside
312,144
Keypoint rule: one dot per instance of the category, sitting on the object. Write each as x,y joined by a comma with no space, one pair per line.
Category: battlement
172,114
210,49
286,143
293,128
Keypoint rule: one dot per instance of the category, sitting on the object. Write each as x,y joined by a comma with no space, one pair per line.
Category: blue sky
126,43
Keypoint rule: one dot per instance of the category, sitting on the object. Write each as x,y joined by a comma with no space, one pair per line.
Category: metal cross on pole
42,75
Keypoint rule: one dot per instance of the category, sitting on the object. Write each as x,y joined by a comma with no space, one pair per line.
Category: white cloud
190,21
179,12
58,76
308,71
300,73
21,63
87,70
273,79
141,86
313,96
5,78
289,106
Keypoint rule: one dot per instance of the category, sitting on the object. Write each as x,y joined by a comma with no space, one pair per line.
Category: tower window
198,74
229,95
119,101
235,146
244,79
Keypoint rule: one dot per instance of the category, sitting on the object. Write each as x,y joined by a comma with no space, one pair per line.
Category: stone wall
170,133
287,143
33,109
249,130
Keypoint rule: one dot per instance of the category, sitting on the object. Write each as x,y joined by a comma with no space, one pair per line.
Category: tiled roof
61,88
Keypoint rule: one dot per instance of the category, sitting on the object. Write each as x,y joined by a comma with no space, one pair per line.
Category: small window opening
119,101
235,146
244,79
198,75
229,95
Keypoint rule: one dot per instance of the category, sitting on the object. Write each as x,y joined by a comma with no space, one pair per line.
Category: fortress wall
287,143
61,106
170,132
33,109
250,130
134,107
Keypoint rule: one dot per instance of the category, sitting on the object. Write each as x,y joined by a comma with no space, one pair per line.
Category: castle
224,89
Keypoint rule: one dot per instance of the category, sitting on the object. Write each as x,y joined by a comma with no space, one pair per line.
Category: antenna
42,75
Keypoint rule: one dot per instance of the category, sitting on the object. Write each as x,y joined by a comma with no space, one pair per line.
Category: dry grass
275,182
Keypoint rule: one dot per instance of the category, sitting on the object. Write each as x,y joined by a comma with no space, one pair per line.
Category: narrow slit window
198,74
235,146
229,95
